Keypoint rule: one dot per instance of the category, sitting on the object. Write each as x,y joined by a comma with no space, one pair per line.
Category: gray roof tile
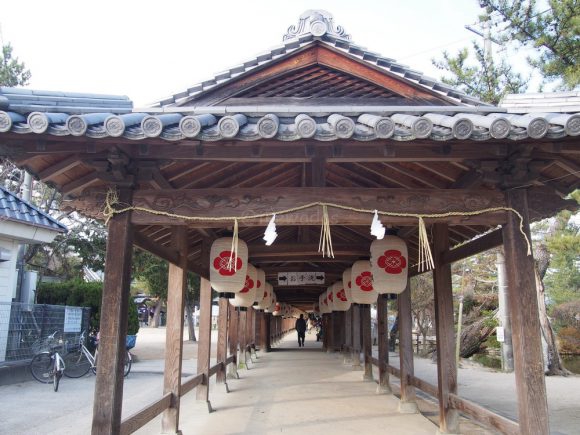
16,209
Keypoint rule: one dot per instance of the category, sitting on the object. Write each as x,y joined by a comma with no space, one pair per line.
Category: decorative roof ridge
55,225
334,36
316,22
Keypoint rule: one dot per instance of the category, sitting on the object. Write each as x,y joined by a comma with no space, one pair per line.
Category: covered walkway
297,390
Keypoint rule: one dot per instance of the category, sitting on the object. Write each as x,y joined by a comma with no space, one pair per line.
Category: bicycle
48,366
79,360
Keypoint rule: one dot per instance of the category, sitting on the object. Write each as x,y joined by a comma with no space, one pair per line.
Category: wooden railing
473,410
148,413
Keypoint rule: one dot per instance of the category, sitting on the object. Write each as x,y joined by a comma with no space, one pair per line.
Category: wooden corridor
296,391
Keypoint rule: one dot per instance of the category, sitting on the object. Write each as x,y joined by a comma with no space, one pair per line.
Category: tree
12,71
552,33
485,79
423,305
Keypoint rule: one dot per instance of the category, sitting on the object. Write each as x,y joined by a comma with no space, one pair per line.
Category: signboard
301,278
500,334
73,318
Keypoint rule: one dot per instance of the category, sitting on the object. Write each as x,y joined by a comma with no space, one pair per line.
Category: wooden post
222,344
265,332
233,341
204,341
523,308
108,399
348,337
242,339
176,288
365,318
356,336
339,330
408,403
446,365
257,330
383,337
330,345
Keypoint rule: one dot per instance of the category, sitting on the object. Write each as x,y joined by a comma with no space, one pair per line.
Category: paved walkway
297,391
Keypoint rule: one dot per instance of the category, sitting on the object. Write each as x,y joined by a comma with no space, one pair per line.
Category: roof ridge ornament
316,22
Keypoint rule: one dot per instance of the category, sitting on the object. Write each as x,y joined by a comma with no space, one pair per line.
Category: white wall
7,290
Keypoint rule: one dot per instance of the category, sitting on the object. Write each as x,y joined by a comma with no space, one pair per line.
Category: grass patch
487,361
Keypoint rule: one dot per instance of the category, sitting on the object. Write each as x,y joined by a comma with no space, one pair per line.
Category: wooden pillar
265,332
339,330
365,318
383,337
233,340
108,399
444,323
348,337
176,288
257,329
222,344
330,345
408,403
204,341
243,327
523,308
356,337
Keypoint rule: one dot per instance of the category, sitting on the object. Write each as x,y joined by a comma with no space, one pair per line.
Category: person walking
301,330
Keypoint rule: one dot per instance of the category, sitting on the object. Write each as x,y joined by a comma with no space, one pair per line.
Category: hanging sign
73,317
500,333
300,278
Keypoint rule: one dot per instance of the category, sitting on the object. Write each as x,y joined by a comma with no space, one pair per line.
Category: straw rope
112,204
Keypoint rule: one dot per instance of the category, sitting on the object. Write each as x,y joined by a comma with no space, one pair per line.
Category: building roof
16,209
542,102
318,26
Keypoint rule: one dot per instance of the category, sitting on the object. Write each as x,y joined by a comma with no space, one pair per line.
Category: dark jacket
300,325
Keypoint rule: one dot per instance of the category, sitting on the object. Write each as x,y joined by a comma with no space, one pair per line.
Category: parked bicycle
79,360
48,366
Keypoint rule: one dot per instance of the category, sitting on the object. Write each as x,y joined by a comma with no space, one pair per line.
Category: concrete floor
297,391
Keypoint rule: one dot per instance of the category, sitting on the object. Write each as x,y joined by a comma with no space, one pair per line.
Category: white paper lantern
226,273
261,290
330,296
362,290
346,280
321,305
271,300
277,309
341,299
247,295
389,264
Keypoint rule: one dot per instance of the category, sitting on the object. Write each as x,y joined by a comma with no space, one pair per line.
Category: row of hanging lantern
386,272
242,283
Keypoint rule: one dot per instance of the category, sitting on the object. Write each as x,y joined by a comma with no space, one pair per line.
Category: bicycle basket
130,341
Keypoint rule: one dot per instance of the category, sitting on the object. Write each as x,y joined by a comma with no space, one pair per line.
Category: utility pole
507,355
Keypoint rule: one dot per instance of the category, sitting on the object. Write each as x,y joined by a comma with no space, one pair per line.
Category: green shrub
487,361
79,293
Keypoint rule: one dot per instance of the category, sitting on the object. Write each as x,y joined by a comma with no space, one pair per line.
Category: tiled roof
29,100
15,209
384,63
441,123
542,102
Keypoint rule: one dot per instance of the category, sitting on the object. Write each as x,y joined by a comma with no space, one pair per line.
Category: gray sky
150,49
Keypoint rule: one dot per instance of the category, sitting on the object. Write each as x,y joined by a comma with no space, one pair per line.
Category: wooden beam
408,403
523,307
59,168
446,365
473,247
176,288
108,399
136,421
284,251
241,202
204,341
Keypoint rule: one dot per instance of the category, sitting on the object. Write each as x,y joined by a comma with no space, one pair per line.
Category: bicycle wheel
94,367
128,361
56,379
41,367
76,364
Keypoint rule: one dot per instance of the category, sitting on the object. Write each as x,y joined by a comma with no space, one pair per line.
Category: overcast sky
148,50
